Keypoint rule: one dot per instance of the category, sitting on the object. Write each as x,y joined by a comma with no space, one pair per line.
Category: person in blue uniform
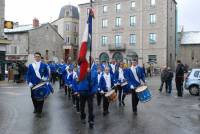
52,67
122,85
106,84
37,72
135,77
61,74
98,94
86,89
68,82
75,95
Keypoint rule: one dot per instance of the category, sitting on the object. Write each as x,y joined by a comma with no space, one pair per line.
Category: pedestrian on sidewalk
163,78
179,78
169,79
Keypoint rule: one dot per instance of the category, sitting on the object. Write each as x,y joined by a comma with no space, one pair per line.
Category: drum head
141,88
39,85
109,93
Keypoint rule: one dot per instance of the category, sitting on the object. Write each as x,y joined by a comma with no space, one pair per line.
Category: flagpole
91,42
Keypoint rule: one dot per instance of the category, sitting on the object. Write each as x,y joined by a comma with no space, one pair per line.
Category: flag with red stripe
83,57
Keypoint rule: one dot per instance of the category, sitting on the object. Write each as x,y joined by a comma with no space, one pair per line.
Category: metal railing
117,47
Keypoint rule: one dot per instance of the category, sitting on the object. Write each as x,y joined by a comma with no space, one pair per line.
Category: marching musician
113,66
135,77
61,70
75,95
122,87
52,67
99,95
87,88
37,72
106,84
68,82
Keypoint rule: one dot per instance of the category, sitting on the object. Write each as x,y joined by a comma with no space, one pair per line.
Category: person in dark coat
169,79
179,78
163,79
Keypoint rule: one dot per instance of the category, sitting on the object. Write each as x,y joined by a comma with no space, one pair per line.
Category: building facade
3,41
133,29
189,49
67,26
28,39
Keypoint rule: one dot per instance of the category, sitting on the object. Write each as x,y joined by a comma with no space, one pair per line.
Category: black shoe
120,104
83,121
91,124
77,111
105,113
123,103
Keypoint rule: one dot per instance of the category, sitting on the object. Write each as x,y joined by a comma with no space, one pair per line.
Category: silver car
192,82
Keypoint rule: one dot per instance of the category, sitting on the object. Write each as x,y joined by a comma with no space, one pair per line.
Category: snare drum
124,83
42,90
111,95
143,94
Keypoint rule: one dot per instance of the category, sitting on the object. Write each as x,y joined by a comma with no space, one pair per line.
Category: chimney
36,23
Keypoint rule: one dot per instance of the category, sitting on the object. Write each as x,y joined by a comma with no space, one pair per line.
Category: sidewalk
10,83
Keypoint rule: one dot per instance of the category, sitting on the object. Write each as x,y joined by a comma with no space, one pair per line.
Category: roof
69,11
191,37
20,28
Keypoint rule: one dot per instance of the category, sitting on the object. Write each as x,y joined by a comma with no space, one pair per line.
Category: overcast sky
23,11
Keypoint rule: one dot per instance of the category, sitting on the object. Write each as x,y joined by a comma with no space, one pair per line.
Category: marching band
105,81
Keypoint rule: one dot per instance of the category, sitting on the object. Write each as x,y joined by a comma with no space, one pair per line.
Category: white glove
132,87
98,89
30,84
102,92
70,85
115,84
44,78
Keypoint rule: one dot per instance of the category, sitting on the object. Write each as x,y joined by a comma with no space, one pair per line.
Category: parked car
192,82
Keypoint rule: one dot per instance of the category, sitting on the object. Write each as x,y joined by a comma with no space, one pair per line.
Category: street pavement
164,114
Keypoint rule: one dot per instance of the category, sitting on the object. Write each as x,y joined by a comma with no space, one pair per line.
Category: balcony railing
117,47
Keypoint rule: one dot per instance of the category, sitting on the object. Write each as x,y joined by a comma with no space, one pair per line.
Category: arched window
118,56
104,57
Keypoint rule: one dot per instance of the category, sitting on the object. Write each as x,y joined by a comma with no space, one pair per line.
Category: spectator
179,78
163,79
169,79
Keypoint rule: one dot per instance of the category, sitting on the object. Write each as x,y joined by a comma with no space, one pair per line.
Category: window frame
132,24
132,41
118,22
152,38
152,18
104,40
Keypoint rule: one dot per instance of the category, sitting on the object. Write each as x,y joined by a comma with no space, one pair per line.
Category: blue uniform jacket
68,79
52,68
102,83
131,79
88,85
31,76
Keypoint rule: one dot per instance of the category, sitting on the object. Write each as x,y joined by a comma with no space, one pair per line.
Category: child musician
106,84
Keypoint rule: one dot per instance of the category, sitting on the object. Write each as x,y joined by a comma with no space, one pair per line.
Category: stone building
189,49
28,39
3,41
133,29
67,26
